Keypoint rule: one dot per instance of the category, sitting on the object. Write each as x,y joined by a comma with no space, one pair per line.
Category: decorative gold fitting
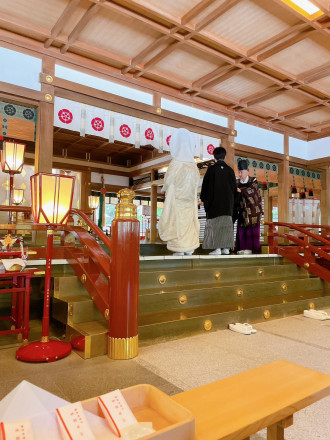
25,341
284,287
239,292
125,209
287,157
311,306
48,97
307,247
32,252
44,339
262,222
162,279
39,272
49,78
217,275
71,310
123,348
260,272
306,265
266,314
106,314
159,111
284,301
207,324
232,144
182,299
183,316
233,132
240,307
50,232
83,278
85,246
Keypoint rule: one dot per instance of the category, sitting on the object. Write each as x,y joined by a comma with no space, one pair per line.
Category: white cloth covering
178,224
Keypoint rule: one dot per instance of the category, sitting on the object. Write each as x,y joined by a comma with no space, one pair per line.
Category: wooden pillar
325,197
153,218
284,183
86,177
229,143
45,123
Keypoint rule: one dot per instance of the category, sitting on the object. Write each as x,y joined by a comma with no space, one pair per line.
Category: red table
18,285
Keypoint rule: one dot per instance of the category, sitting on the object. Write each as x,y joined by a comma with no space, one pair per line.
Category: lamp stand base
39,351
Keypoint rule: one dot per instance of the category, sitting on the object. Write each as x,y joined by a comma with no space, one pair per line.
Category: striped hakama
219,233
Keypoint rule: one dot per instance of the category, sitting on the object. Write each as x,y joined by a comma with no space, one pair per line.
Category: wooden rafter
315,74
195,11
302,110
92,10
263,95
216,13
62,21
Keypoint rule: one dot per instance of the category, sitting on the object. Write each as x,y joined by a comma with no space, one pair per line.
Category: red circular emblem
125,131
210,149
149,134
168,139
103,191
97,124
65,116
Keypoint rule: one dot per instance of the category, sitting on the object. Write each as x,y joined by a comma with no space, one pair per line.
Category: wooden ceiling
257,60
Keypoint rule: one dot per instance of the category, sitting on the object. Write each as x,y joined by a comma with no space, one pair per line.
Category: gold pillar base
123,348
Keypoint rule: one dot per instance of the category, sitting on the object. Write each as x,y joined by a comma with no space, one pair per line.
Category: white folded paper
16,430
116,411
73,423
9,263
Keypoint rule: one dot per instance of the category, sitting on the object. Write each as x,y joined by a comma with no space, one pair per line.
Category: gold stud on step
217,275
182,299
162,279
284,287
266,314
306,265
260,272
207,325
83,278
311,306
239,292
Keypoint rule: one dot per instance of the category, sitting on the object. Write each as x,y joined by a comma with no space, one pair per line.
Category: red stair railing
313,257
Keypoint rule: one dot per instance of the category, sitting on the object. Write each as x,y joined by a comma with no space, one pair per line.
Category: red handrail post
272,239
124,281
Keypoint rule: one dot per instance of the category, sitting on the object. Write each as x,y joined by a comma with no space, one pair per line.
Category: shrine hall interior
94,90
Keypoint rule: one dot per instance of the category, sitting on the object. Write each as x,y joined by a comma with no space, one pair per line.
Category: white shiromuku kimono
178,224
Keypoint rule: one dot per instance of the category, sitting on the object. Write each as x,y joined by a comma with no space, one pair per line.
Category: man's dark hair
219,153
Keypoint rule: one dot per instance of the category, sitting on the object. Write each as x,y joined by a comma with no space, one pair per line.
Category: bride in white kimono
178,224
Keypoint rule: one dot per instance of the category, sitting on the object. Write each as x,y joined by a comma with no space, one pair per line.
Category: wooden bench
265,397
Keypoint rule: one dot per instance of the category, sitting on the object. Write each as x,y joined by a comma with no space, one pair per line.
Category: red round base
43,351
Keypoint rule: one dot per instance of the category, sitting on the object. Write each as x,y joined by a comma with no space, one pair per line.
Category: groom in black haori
218,195
249,211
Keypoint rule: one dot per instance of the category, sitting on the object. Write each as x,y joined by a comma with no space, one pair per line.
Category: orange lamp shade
51,196
12,157
93,202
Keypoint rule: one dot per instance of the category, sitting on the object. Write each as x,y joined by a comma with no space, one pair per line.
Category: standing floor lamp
51,196
93,203
12,159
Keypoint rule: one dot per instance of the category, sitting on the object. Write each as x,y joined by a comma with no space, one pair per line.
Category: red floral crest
103,191
65,116
168,139
125,131
97,124
149,134
210,149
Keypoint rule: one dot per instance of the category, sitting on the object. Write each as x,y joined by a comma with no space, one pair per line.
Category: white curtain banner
67,114
149,133
125,128
168,132
209,144
97,121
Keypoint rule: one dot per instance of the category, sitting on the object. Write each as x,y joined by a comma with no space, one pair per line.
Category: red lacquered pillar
124,281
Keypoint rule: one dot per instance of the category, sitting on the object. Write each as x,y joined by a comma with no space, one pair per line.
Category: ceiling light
304,7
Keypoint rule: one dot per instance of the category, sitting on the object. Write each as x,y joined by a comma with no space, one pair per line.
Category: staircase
183,296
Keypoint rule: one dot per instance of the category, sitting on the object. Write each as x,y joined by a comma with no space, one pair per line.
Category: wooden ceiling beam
276,38
285,44
221,78
154,60
208,77
315,74
92,10
216,13
195,11
140,56
302,110
263,95
62,21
